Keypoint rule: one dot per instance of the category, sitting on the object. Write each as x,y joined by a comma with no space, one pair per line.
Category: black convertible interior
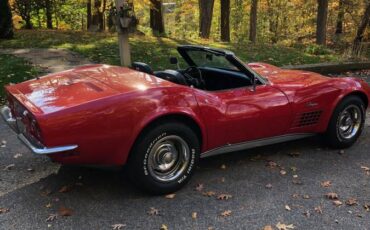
208,76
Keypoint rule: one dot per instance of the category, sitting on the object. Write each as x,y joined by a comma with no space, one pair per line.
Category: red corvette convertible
160,123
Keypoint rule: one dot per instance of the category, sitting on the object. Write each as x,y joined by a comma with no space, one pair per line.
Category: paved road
101,198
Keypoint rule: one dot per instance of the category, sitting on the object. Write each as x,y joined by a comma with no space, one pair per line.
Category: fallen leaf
271,164
295,195
281,226
118,226
318,209
9,167
226,213
153,212
65,189
164,227
337,202
332,196
283,172
63,211
199,187
287,208
194,215
269,186
224,196
256,158
51,217
268,227
351,201
46,192
4,210
223,167
18,155
294,154
209,193
170,196
367,207
366,169
326,184
297,181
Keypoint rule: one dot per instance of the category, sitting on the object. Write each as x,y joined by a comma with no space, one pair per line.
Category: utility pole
123,36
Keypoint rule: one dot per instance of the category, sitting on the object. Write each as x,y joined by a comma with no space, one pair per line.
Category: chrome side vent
307,119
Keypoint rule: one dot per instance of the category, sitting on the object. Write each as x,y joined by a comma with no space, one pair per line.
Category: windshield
209,59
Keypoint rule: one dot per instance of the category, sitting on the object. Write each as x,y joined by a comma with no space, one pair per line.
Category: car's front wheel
347,123
164,157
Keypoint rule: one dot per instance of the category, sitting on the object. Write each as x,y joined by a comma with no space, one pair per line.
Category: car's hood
288,78
80,85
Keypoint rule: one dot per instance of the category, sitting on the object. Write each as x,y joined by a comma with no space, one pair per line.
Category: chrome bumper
12,122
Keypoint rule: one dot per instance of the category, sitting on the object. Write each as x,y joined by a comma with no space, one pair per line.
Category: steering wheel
194,77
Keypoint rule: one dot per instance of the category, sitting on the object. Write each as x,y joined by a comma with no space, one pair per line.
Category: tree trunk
88,15
49,14
6,23
340,18
322,18
156,17
225,20
253,21
361,30
205,17
97,17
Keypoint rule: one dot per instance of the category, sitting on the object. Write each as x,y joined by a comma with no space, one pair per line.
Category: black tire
155,142
334,135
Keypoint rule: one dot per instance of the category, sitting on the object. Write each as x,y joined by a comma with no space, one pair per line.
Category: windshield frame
228,55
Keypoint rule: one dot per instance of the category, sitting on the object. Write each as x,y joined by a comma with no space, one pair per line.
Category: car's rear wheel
163,158
347,123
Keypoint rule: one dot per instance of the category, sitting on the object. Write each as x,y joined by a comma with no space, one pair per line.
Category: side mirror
174,61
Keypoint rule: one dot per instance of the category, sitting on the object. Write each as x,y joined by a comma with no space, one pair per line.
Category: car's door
243,114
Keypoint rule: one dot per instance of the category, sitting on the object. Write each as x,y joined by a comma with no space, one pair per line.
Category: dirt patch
49,60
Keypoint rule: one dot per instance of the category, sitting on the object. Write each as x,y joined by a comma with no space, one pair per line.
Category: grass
103,48
13,70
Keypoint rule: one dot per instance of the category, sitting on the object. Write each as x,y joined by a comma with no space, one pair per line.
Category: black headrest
142,67
172,76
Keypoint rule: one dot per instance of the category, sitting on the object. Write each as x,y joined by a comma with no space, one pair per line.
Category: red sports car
160,123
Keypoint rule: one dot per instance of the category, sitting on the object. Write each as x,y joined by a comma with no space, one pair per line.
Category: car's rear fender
181,107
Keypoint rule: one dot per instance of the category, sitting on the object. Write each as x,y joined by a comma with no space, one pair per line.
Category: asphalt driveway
279,183
284,185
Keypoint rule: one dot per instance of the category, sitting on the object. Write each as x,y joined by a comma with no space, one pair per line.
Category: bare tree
24,9
89,14
225,20
340,18
322,18
156,17
6,23
205,17
49,14
361,30
253,21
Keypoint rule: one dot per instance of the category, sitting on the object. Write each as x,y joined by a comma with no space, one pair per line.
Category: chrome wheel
349,122
168,158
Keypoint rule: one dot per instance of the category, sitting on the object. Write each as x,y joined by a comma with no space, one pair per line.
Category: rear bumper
40,150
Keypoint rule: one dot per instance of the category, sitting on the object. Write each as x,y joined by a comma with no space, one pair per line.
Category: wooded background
334,23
